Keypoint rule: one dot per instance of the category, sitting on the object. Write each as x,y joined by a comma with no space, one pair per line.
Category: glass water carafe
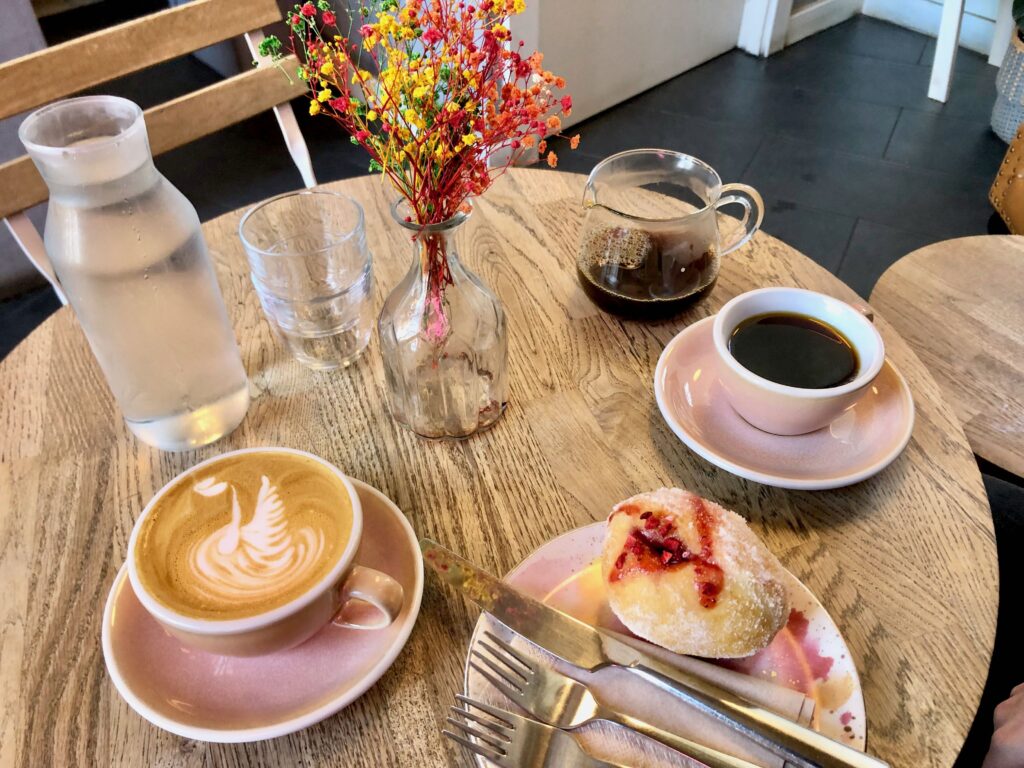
129,253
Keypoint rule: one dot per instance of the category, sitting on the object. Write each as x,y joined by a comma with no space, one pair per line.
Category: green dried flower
271,46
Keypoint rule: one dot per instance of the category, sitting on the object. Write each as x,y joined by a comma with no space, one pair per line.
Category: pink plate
860,443
219,698
809,655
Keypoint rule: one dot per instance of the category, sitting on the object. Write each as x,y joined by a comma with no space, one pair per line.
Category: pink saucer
220,698
860,443
809,655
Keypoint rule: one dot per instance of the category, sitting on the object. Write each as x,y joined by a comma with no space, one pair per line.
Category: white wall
923,16
609,50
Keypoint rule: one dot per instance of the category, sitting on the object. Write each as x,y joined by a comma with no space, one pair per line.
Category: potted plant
443,102
1008,112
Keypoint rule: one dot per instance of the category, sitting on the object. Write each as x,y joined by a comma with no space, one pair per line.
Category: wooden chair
949,38
45,76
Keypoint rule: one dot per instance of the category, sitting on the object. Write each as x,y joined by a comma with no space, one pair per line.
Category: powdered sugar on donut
689,575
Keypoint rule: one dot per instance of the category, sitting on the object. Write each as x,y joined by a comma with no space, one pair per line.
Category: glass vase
443,338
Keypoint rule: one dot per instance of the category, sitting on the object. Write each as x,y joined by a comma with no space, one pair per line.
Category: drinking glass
313,273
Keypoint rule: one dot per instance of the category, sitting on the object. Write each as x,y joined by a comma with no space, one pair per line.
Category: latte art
239,561
244,535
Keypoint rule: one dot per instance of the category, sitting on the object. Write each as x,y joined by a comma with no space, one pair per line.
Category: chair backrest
54,73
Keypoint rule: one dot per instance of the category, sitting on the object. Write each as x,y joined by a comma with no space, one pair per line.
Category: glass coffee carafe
650,245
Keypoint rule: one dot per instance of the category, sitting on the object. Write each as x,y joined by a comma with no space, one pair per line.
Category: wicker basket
1008,112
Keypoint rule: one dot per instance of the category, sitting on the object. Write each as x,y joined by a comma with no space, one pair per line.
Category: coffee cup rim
720,337
225,627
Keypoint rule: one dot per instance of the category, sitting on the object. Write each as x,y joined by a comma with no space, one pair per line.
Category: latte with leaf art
245,535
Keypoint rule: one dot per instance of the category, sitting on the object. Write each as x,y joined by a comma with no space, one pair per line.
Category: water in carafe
128,251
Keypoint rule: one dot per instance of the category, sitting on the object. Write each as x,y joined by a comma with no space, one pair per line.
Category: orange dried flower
552,160
430,121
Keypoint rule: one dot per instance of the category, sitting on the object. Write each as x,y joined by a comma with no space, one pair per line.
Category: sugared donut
690,576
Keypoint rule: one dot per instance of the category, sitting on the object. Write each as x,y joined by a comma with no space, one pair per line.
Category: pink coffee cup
778,408
333,599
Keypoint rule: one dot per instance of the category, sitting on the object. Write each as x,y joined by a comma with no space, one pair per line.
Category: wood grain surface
905,562
960,305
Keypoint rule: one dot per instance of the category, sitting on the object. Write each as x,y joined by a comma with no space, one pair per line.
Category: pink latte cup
778,408
348,595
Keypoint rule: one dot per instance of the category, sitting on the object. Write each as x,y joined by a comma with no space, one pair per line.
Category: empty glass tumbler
129,253
313,274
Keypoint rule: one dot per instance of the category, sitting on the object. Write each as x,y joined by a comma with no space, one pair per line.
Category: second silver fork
512,741
565,703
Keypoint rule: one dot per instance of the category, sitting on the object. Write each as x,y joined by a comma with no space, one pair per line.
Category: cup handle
753,211
864,308
375,588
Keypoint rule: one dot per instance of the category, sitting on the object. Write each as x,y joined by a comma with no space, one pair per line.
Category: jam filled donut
690,576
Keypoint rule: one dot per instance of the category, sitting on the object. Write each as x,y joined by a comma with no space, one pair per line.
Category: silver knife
591,649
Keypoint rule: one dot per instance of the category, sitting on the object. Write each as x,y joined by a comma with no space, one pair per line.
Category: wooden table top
960,305
905,562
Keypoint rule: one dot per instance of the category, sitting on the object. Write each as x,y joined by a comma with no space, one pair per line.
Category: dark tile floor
856,165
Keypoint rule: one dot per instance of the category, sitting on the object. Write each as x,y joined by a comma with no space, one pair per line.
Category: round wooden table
960,305
905,562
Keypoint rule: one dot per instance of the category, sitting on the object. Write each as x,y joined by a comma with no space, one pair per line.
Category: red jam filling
653,546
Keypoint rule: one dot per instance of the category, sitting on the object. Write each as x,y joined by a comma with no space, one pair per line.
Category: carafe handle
753,212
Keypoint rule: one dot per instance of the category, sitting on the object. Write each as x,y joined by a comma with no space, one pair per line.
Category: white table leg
945,49
1001,36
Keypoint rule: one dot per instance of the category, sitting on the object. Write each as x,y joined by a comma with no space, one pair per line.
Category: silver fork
512,741
565,703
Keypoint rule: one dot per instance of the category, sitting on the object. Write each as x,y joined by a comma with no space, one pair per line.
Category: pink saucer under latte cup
251,552
787,410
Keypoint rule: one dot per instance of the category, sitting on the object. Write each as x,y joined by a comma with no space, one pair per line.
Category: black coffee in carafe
634,272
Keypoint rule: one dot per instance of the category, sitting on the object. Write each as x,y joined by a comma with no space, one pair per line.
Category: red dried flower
492,98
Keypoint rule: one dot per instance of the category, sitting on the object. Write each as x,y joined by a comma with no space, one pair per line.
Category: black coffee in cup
794,350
